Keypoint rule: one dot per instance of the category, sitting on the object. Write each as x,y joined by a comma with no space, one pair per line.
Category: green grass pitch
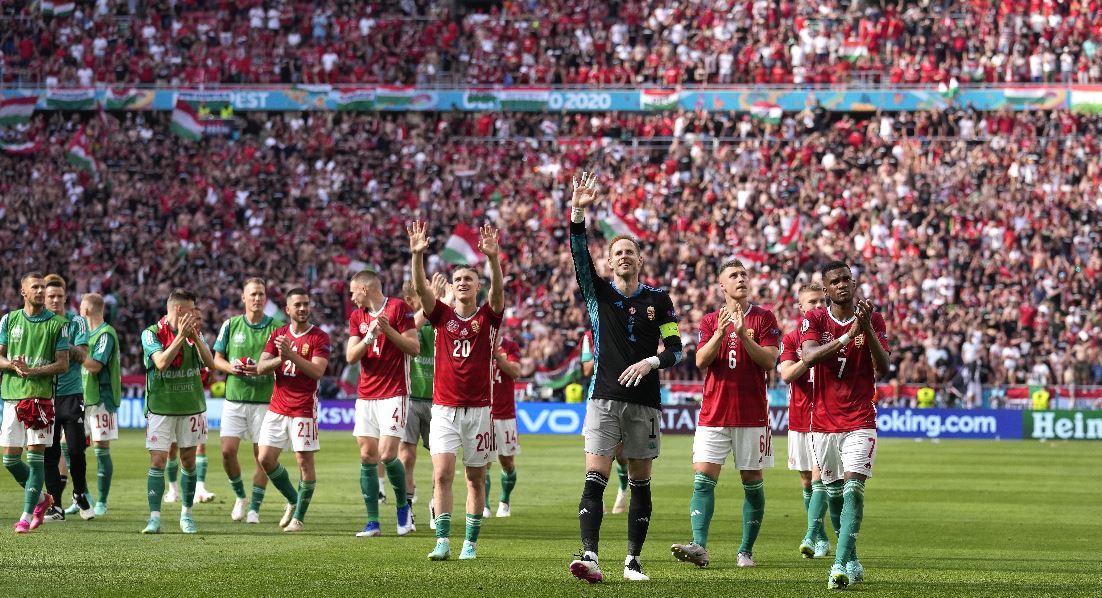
945,519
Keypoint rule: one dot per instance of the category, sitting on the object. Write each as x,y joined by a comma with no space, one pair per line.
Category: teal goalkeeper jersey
70,383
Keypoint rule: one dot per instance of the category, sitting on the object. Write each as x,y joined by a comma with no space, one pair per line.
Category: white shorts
799,451
13,433
505,437
185,430
300,434
752,447
381,417
466,427
242,420
100,424
839,452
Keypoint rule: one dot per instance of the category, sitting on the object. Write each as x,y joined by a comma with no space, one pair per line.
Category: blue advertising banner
949,423
753,100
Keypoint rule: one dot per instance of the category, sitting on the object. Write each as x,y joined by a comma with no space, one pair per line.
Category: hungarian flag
949,91
659,99
524,98
17,111
1027,96
363,99
613,224
78,154
120,99
462,247
71,99
790,239
754,257
766,112
853,50
57,9
21,148
566,372
399,96
185,123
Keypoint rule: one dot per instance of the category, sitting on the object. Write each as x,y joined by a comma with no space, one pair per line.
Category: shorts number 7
872,447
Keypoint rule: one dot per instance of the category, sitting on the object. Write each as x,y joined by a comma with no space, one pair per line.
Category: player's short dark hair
181,296
366,277
812,287
54,280
618,238
29,276
732,263
297,291
255,280
462,267
834,265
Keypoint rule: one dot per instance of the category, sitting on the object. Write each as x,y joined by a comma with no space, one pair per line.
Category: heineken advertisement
1063,425
765,104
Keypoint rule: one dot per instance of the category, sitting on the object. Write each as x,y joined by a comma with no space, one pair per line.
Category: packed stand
977,234
582,42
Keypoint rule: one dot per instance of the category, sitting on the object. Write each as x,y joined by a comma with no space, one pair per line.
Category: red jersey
504,404
384,368
844,393
295,393
464,349
799,390
734,386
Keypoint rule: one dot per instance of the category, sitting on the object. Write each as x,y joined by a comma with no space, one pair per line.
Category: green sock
65,454
834,502
815,510
258,497
753,511
18,469
622,471
155,485
282,482
474,526
173,470
369,486
701,507
305,494
396,473
807,498
105,469
508,482
32,492
853,497
443,525
238,487
201,468
187,488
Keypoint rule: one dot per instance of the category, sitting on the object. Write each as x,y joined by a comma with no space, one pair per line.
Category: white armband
845,339
653,361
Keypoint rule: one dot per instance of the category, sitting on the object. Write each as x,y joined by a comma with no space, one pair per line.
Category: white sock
630,558
26,517
185,511
156,514
590,555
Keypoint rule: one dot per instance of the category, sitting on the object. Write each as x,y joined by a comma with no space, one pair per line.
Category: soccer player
466,338
738,347
628,320
176,407
419,416
799,378
102,379
381,336
298,353
621,503
241,340
68,410
34,348
503,412
847,345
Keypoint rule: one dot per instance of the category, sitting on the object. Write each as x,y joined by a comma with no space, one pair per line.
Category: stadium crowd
975,233
591,42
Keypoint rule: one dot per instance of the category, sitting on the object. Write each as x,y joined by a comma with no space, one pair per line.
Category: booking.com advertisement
567,418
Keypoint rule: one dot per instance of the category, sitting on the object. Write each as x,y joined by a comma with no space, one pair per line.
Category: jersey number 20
461,348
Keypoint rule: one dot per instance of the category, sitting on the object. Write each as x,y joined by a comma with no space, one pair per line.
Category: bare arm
513,369
879,354
407,341
221,364
5,363
77,353
268,364
204,351
793,370
92,365
355,348
488,245
313,368
587,368
418,243
58,367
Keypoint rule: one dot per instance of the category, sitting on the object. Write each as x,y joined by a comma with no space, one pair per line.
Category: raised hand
439,284
418,237
863,311
487,241
585,190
